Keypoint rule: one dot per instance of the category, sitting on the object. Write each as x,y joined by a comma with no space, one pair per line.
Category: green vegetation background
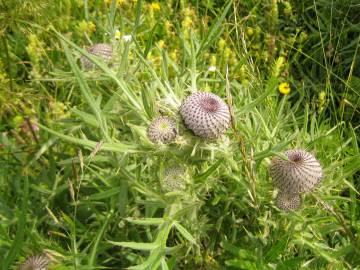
85,189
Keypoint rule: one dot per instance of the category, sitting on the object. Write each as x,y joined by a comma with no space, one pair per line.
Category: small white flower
127,38
212,69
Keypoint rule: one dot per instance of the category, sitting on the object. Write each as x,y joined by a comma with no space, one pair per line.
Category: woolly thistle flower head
102,50
162,129
39,262
300,173
288,202
174,179
206,114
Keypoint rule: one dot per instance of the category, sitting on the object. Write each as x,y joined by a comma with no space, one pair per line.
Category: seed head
38,262
162,129
174,179
288,202
101,50
299,174
206,114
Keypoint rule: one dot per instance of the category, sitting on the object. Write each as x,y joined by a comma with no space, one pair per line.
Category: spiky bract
288,202
37,262
300,173
162,129
174,179
206,114
102,50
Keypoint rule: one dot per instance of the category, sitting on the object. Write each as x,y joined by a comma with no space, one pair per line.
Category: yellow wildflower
322,96
187,22
168,27
82,26
161,44
321,100
174,55
117,35
120,2
155,6
221,44
284,88
249,31
91,27
87,27
227,53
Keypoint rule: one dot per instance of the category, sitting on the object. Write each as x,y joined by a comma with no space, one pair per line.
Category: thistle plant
162,129
206,114
36,262
300,173
91,183
102,50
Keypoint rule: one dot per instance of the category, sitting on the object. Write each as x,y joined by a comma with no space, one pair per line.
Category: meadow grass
86,189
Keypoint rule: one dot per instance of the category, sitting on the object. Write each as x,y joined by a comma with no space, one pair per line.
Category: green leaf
112,147
86,117
135,245
85,90
21,227
146,221
185,233
104,194
214,30
211,170
276,249
99,235
270,88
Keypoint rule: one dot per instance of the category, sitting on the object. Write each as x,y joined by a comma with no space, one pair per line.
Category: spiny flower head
162,129
102,50
38,262
288,202
174,179
300,173
206,114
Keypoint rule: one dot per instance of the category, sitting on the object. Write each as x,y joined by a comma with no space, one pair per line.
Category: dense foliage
99,171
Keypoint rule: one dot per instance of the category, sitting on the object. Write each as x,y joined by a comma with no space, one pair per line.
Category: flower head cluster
299,174
206,114
162,129
102,50
38,262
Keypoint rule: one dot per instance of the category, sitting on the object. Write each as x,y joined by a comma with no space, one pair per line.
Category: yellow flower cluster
155,6
87,27
321,100
59,110
3,74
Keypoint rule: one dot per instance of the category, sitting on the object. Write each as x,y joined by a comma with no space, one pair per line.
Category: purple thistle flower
102,50
299,174
206,114
38,262
162,129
